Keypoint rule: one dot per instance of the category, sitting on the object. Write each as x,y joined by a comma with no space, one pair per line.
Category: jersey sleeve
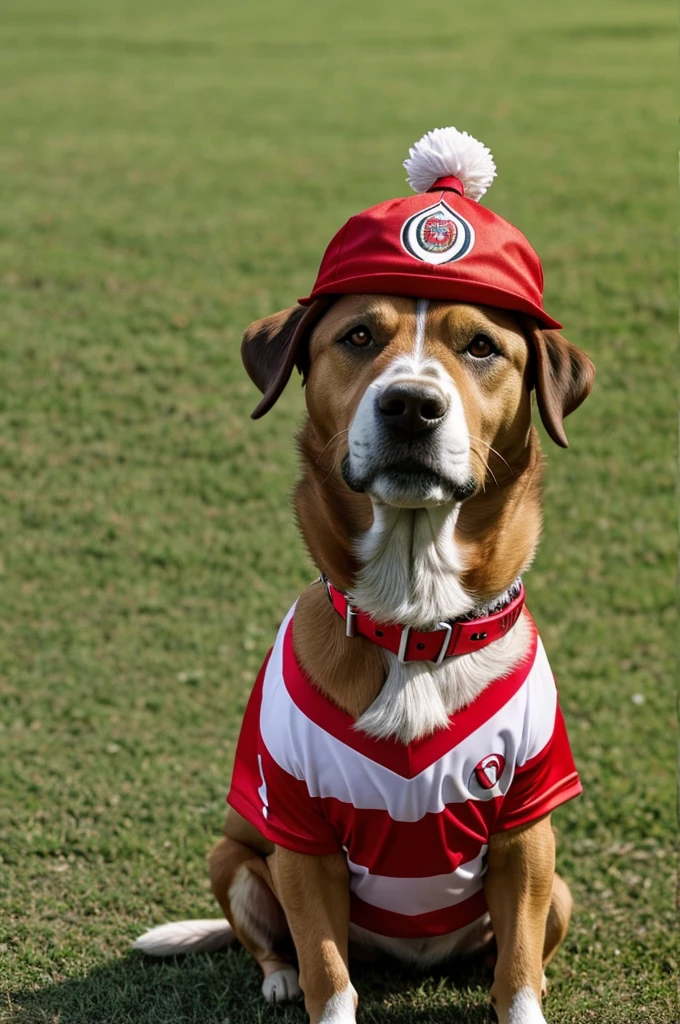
542,783
271,798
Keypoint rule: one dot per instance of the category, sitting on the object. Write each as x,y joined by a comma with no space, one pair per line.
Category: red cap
436,245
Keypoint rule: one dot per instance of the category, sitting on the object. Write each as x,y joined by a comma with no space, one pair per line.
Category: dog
403,747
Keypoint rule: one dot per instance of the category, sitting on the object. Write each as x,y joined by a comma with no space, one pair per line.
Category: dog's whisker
491,449
334,438
332,469
487,467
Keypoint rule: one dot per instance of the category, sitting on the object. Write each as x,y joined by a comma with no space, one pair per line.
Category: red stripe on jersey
401,926
436,844
405,760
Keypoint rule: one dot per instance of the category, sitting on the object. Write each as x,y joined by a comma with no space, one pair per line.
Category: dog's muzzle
408,445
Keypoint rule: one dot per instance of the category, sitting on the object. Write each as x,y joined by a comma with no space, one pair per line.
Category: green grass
170,172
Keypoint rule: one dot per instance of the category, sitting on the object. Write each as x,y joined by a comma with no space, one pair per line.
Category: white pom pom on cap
446,151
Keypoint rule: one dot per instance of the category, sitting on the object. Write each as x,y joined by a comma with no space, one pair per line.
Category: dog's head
422,391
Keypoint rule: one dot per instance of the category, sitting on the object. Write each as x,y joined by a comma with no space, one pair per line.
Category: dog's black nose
410,409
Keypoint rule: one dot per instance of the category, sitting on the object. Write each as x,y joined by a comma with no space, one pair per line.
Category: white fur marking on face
362,430
421,319
369,446
340,1008
525,1008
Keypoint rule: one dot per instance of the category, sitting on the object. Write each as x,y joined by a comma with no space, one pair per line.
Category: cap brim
421,286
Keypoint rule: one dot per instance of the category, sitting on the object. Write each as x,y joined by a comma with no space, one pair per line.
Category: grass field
170,172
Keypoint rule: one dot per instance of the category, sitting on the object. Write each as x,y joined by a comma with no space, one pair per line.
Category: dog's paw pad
281,986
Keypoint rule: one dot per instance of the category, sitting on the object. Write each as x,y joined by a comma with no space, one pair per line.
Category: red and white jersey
414,821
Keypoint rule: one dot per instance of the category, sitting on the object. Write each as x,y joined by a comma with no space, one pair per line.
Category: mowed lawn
171,171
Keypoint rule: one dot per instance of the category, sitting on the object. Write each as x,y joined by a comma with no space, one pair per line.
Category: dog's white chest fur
411,568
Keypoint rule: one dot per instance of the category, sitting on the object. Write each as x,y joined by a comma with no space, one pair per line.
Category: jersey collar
449,639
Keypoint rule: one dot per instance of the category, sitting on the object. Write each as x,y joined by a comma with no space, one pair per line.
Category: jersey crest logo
486,776
437,235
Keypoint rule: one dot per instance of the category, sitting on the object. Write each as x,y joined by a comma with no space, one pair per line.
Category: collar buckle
406,634
445,644
403,644
350,620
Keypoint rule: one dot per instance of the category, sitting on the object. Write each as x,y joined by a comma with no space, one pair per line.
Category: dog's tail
186,937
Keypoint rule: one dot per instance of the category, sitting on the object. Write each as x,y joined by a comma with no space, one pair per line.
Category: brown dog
420,497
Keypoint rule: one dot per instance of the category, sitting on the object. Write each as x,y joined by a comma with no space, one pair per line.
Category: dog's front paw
525,1008
340,1008
281,986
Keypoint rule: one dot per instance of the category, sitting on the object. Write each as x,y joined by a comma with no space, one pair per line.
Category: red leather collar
451,638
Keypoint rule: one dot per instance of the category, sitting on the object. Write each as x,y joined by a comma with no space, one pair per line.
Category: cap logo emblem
486,776
437,235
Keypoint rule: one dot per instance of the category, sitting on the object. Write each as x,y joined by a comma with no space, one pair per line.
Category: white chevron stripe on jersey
413,896
333,769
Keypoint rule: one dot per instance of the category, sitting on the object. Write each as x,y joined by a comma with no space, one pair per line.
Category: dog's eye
481,347
359,337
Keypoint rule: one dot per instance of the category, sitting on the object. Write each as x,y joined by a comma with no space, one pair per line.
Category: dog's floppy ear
562,375
271,347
